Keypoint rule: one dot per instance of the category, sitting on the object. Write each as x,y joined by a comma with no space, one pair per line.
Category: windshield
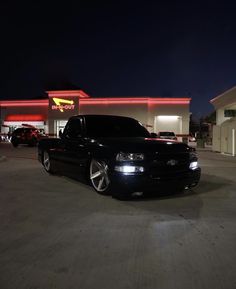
114,126
167,133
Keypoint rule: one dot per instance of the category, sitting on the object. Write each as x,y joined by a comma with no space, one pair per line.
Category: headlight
129,169
193,165
122,157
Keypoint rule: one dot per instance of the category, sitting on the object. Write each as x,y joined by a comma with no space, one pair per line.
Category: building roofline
102,100
29,102
67,93
219,96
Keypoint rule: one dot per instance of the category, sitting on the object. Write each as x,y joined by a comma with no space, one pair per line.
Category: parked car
26,135
167,135
119,156
192,138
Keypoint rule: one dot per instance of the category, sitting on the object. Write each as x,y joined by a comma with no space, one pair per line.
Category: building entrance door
60,125
168,123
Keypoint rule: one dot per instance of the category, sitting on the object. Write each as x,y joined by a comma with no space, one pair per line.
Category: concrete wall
224,131
220,118
216,138
224,137
138,111
230,128
24,110
143,112
5,111
173,109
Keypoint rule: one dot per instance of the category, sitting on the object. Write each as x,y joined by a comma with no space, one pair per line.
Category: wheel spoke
46,161
99,175
100,164
100,183
95,175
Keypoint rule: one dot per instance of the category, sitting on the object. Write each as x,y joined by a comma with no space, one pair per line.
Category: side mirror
153,135
60,133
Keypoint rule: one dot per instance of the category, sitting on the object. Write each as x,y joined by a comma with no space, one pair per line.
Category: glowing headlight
129,169
129,157
193,165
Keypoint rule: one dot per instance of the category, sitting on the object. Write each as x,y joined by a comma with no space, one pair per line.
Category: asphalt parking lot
56,232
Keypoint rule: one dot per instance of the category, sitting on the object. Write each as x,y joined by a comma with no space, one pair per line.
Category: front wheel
47,162
33,142
99,178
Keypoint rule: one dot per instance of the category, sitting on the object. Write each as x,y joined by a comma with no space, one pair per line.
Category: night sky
120,48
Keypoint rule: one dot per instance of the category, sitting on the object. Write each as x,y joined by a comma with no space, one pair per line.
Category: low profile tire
99,178
47,162
33,142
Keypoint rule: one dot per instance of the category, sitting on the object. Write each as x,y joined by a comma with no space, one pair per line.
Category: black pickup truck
119,156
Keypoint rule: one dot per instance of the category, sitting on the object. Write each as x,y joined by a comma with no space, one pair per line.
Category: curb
204,150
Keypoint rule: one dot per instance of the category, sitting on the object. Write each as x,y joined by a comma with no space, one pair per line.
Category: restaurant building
51,114
224,136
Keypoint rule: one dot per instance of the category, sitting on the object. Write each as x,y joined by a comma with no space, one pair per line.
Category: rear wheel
47,162
33,142
99,178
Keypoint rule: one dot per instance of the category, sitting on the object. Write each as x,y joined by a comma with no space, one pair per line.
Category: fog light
129,169
193,165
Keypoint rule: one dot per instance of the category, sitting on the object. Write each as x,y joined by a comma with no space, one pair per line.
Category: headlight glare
122,157
193,165
129,169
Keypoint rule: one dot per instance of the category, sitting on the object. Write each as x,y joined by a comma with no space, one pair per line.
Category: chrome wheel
46,161
99,176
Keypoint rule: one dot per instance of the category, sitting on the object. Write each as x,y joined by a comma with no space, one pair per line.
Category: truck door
72,149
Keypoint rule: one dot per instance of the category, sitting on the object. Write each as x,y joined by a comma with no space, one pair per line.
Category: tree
210,118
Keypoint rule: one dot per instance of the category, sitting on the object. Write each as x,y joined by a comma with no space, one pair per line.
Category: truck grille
169,165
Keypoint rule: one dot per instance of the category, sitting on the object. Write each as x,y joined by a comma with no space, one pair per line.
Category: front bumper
143,182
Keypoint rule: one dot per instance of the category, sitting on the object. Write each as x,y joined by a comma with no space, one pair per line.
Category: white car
167,135
192,138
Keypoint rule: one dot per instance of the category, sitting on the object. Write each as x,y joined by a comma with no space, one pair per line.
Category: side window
74,129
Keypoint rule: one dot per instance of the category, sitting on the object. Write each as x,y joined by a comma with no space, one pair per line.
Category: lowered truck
119,156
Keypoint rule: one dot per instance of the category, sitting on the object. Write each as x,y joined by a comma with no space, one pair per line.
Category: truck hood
138,144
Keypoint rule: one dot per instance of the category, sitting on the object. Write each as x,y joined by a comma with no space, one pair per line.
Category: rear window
18,130
167,133
114,126
24,130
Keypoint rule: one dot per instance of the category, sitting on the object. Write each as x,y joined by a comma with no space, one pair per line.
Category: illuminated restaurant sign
63,107
62,104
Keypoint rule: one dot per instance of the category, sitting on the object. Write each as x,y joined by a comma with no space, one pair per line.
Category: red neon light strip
130,100
18,103
136,101
25,117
